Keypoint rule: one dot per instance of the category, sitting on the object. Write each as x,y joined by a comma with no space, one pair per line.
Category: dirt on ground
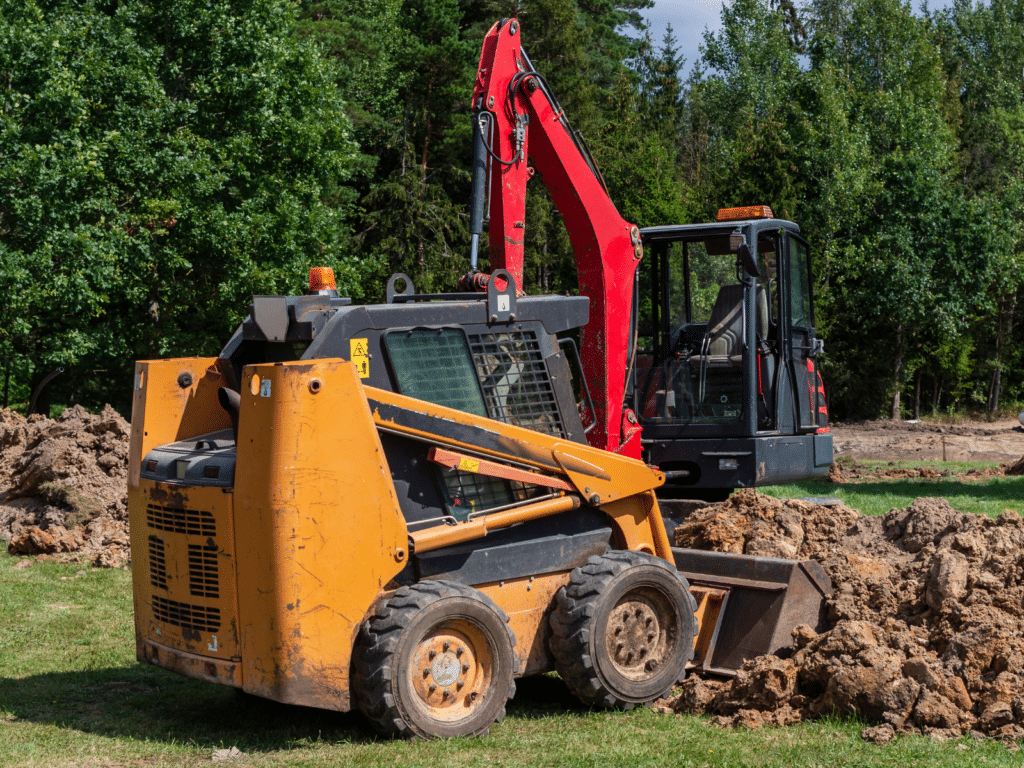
925,625
1001,440
63,485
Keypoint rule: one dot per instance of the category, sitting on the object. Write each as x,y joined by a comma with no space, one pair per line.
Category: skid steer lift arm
516,116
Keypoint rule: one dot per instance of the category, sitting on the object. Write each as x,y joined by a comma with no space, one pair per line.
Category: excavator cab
725,383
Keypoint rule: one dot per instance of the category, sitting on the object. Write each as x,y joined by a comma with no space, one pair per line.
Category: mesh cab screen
515,380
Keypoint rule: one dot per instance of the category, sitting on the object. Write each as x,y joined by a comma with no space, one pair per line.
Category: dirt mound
62,485
926,623
1016,468
849,471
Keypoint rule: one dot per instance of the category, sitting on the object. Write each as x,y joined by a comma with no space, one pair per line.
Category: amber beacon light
321,279
747,212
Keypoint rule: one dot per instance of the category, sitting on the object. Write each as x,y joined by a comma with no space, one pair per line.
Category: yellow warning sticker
469,465
360,354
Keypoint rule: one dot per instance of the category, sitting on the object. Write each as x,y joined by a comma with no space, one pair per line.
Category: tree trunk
897,369
1003,329
917,396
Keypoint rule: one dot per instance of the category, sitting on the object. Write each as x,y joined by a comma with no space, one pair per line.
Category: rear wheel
436,660
623,630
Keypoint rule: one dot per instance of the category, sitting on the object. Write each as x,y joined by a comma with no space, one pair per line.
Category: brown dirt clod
63,486
926,622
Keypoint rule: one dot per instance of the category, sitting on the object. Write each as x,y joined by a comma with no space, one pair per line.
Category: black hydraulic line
576,136
39,389
477,192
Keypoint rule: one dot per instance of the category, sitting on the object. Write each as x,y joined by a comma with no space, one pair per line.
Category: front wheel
436,660
623,630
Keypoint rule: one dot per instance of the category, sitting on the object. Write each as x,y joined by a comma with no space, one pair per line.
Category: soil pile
849,471
926,623
62,485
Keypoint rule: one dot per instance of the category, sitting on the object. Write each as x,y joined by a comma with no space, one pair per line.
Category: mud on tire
623,629
436,659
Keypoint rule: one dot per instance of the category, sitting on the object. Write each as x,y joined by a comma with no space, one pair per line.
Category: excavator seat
703,381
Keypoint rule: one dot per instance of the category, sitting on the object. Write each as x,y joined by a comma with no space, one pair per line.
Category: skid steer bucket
748,606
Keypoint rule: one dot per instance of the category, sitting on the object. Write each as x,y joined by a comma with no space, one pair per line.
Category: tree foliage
161,163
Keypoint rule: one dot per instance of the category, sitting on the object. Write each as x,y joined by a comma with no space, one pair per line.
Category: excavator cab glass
689,353
725,352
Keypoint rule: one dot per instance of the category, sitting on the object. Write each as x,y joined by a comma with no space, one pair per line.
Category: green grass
72,694
991,496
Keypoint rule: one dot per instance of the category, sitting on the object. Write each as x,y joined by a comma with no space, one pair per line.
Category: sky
689,19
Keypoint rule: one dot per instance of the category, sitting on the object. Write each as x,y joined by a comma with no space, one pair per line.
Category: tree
880,149
983,49
159,164
750,95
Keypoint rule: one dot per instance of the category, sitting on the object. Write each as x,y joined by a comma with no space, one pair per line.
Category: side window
799,285
768,261
435,365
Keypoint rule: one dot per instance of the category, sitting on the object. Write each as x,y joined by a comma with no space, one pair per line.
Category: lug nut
458,685
459,651
444,694
465,667
432,688
446,646
472,696
431,655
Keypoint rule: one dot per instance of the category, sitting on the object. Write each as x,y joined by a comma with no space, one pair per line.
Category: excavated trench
925,626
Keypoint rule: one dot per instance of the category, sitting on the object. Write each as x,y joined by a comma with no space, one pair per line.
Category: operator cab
725,381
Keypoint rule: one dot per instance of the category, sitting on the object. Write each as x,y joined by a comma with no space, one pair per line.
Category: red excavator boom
517,117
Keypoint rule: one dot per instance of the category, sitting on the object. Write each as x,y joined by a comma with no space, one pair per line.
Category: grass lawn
876,497
71,693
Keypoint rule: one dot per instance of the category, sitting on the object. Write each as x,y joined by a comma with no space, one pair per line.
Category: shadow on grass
149,704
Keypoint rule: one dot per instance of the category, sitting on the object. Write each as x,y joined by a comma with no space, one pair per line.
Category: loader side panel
320,533
183,581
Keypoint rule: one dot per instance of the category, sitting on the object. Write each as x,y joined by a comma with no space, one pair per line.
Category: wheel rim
452,670
641,634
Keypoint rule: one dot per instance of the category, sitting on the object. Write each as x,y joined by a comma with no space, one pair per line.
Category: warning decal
469,465
360,354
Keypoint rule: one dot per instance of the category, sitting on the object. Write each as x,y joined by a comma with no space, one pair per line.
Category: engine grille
197,617
157,563
515,380
202,571
176,520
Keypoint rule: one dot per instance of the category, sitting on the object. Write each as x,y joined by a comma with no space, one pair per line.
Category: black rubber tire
623,630
395,644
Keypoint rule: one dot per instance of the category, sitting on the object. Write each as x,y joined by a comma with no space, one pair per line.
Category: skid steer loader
394,508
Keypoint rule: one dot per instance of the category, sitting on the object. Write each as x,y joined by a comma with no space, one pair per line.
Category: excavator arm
516,117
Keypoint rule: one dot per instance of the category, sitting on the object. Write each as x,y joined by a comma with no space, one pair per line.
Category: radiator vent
197,617
157,563
202,570
196,523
